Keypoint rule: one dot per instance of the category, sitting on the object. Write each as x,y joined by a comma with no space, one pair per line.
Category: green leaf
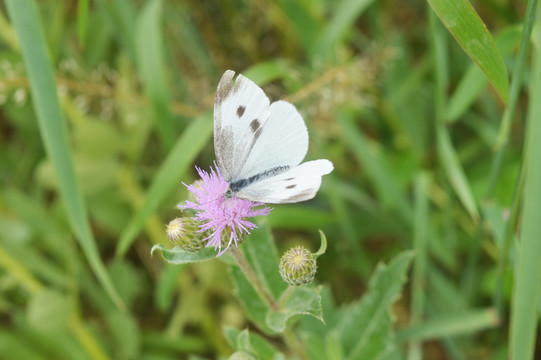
268,71
474,80
323,246
176,255
527,295
375,167
262,255
296,301
82,19
345,14
48,311
254,306
151,65
299,217
366,327
451,325
462,21
25,17
455,172
174,168
252,343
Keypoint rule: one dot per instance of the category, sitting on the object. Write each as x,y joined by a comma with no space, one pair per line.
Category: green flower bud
298,266
183,233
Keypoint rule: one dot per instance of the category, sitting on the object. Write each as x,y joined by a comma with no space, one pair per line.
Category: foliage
430,213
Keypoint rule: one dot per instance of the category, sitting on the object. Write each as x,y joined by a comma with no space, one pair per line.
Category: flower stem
242,262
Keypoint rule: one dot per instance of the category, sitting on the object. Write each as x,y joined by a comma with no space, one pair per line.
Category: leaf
455,172
323,246
268,71
262,255
48,312
299,217
252,343
296,301
385,184
527,294
82,19
254,306
25,17
455,324
151,66
175,166
345,14
365,329
176,255
461,19
474,80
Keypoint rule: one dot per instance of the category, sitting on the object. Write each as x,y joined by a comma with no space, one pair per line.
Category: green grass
426,112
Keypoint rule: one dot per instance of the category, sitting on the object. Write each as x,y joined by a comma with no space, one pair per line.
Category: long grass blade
26,20
462,21
527,293
171,172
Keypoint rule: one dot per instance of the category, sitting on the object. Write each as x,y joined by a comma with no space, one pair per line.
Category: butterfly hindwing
298,184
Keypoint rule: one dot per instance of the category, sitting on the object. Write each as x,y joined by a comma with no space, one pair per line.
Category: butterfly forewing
236,105
282,141
251,137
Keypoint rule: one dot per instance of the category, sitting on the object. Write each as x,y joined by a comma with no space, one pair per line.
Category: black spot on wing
240,111
291,186
289,179
255,125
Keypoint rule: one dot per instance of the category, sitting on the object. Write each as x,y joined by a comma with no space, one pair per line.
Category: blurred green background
409,121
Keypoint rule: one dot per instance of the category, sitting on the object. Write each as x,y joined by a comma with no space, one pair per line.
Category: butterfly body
259,146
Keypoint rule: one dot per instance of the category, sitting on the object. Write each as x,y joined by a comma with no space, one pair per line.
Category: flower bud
298,266
183,232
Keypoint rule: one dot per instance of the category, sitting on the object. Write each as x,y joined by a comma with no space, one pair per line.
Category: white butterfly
259,146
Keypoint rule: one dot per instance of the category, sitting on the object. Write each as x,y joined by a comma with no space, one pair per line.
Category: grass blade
461,19
345,14
151,65
82,20
25,17
451,325
188,146
527,292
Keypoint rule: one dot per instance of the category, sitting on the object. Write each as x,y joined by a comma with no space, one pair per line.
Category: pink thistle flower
218,214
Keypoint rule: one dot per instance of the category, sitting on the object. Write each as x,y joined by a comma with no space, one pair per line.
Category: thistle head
298,266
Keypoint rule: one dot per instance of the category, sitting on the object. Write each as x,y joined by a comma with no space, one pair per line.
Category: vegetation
429,244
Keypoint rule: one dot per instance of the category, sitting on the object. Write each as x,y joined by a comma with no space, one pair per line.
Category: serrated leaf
176,255
257,346
262,255
300,301
365,329
254,306
461,19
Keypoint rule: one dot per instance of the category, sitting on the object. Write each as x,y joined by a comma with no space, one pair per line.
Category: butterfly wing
251,136
298,184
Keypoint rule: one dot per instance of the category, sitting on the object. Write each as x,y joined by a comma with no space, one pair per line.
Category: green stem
242,262
294,343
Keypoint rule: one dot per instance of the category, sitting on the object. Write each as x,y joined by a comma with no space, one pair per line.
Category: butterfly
259,146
